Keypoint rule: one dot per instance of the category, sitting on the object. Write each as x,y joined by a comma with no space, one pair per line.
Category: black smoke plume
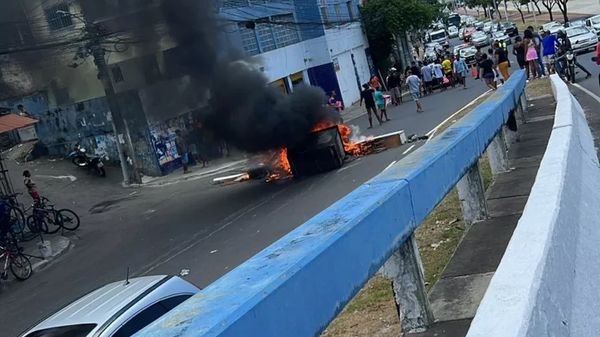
243,109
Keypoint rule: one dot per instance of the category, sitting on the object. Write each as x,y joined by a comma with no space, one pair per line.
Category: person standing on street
366,95
393,84
531,55
537,39
380,100
32,188
447,67
460,70
414,87
438,74
502,62
182,150
549,49
478,59
519,52
427,74
487,72
374,82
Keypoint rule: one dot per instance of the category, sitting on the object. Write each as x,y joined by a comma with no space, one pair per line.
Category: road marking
594,96
409,149
390,165
71,178
434,130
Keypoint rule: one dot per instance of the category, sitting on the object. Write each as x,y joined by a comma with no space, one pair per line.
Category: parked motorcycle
80,158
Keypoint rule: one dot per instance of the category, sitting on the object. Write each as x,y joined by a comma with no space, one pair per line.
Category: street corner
46,250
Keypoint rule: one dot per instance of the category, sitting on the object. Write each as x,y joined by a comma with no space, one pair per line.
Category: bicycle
17,216
47,219
15,261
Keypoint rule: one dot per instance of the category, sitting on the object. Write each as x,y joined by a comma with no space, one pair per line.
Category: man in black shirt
564,46
367,96
415,69
393,84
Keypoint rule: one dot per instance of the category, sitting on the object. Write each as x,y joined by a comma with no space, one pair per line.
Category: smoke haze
243,109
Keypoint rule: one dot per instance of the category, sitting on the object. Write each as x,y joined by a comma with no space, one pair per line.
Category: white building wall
282,62
343,43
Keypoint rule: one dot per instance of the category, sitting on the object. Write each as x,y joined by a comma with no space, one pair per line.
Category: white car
488,26
553,27
118,309
582,40
452,32
593,23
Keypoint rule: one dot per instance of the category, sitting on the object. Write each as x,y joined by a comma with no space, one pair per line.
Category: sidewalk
455,297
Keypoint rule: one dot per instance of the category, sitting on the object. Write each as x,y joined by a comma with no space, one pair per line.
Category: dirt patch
539,88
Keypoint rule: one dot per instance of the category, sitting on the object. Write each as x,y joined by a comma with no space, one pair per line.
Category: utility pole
120,128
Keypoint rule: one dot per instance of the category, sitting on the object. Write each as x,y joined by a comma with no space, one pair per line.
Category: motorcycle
570,56
80,158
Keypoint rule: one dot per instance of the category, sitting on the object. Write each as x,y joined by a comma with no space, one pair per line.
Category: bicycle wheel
70,220
20,267
17,220
36,225
53,221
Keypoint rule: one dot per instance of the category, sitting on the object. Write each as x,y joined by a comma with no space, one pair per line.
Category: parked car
461,32
509,28
439,36
468,54
487,26
118,309
500,36
582,39
593,22
452,32
478,25
480,39
553,27
581,23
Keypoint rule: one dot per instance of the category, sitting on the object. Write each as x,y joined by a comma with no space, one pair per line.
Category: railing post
498,154
472,195
405,270
521,108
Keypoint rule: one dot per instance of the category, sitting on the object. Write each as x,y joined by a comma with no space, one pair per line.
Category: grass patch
539,87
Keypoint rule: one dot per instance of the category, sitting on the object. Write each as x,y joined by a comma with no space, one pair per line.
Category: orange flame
345,131
281,165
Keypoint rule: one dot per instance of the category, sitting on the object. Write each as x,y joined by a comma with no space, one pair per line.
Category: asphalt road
194,225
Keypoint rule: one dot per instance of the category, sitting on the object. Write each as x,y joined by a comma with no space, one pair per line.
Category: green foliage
384,19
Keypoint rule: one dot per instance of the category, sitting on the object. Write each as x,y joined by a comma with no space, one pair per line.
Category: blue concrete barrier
296,286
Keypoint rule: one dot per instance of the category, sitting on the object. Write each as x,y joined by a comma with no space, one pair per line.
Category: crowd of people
542,53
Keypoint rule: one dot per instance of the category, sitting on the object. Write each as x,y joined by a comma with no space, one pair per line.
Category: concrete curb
60,246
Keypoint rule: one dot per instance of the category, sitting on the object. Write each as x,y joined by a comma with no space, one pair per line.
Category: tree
549,4
562,5
517,4
536,4
385,21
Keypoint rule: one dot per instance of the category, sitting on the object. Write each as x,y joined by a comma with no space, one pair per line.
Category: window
338,12
350,6
324,15
265,37
58,17
285,34
80,330
117,74
149,315
249,41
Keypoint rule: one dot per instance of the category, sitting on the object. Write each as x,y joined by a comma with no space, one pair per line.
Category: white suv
118,309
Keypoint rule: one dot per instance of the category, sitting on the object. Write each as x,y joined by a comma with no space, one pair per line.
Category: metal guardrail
296,286
546,283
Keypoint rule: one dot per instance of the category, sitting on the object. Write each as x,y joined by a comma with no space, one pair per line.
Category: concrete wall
347,45
296,286
546,284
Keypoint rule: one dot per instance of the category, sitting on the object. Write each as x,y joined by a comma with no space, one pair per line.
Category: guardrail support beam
405,270
472,195
522,107
498,154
